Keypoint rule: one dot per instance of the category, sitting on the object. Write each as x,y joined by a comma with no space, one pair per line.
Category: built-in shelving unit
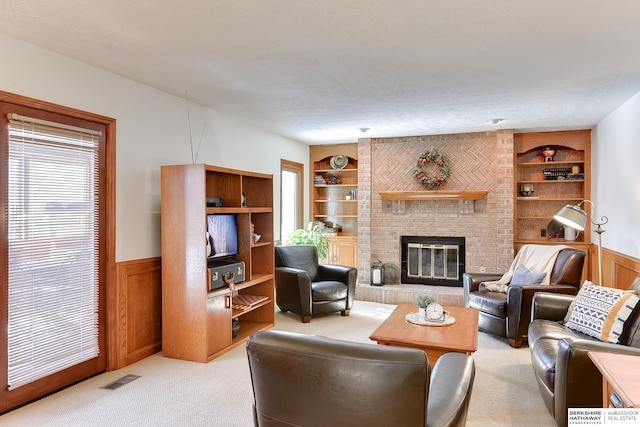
197,322
334,200
562,179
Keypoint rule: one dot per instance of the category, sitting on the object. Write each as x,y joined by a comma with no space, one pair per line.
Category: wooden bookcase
330,203
534,214
196,322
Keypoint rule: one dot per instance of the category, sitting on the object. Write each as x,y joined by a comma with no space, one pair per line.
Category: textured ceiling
318,71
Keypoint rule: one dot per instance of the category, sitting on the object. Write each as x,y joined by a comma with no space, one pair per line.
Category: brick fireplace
478,161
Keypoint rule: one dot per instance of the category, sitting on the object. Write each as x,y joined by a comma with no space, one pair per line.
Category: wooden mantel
434,195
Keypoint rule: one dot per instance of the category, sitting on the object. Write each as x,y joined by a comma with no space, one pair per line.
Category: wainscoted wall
618,270
137,331
478,161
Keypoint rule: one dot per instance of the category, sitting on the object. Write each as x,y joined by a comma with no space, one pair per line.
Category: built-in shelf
434,195
328,200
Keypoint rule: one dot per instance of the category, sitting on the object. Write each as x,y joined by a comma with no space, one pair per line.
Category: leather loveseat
566,376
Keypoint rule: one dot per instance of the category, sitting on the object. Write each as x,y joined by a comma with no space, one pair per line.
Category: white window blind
52,248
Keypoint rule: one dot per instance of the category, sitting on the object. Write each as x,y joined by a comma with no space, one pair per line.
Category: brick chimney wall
478,161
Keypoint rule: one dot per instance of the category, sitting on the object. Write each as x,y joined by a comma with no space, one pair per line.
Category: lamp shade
572,216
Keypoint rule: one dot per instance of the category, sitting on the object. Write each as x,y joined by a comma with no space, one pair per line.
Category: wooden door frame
108,308
299,169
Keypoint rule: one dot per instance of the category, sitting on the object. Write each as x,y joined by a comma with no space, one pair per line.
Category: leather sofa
508,314
566,376
310,380
305,287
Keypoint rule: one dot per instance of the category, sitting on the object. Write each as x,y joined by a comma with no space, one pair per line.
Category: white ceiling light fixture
364,130
495,121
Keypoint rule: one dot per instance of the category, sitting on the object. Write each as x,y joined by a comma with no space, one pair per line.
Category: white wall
152,130
615,178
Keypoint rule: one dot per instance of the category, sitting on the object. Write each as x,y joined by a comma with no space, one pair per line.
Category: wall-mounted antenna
194,158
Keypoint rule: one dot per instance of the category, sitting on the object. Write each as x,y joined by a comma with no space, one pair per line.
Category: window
53,247
291,197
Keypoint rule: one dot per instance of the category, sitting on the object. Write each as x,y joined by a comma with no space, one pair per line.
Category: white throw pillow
601,312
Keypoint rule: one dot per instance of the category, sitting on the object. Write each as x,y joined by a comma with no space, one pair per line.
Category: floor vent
122,381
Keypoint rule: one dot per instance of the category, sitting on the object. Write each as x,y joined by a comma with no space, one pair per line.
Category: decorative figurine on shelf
548,154
244,201
334,180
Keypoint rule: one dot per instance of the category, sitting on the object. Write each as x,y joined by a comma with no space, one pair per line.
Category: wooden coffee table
461,337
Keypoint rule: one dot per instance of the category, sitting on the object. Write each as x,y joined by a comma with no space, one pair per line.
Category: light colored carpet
177,393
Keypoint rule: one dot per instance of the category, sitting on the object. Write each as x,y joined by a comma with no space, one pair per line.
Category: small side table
620,374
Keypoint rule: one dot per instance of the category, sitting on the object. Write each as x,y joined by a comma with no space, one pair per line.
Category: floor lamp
575,217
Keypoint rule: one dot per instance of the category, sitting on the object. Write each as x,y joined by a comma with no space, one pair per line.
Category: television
222,234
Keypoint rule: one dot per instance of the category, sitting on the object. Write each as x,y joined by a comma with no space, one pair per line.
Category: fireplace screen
432,260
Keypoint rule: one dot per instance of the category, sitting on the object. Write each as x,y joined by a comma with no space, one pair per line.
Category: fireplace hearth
429,260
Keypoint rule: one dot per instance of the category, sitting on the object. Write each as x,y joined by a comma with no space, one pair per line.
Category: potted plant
423,300
311,236
350,194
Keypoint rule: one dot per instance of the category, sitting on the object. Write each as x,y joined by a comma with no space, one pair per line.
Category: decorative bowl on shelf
339,161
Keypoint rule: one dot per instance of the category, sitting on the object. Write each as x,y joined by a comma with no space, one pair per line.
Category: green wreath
427,174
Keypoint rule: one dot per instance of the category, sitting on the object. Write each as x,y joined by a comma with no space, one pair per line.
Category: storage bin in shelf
248,328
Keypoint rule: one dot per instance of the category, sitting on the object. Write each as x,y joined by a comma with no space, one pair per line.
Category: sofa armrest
450,390
293,289
341,273
550,306
519,305
471,282
578,383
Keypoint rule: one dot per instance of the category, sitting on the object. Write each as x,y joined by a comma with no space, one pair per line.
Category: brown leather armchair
306,380
508,314
306,288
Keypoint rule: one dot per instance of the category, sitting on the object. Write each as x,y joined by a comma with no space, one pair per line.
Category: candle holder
526,190
377,273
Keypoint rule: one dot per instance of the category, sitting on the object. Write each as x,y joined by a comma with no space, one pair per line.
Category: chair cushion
601,312
523,276
328,290
489,302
